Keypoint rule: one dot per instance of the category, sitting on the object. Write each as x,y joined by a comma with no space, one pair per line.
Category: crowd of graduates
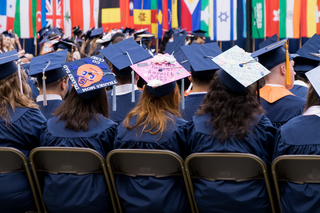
91,91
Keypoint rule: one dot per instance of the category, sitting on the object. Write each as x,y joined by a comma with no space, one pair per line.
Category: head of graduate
313,98
87,99
56,79
14,91
232,101
276,58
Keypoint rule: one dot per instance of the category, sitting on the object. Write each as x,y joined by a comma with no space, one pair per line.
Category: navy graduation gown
124,105
281,111
300,91
231,196
34,88
23,133
300,136
52,105
78,193
150,194
191,103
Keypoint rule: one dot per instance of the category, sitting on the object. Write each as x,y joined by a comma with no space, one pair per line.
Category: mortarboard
273,55
65,44
199,33
269,41
144,37
314,77
89,75
170,32
7,64
238,69
138,32
311,49
96,32
174,46
43,31
302,65
160,73
200,58
26,67
129,30
182,59
8,34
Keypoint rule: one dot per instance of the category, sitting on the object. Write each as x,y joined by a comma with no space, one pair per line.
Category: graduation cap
96,32
269,41
141,31
160,73
302,65
48,69
144,37
170,32
273,55
174,46
7,64
65,44
129,30
314,77
311,49
238,69
43,31
199,33
26,67
89,75
46,38
8,34
200,58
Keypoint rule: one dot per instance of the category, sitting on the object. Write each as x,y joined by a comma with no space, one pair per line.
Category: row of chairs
157,163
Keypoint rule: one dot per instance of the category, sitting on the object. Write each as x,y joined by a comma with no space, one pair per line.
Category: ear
63,84
137,77
190,79
282,70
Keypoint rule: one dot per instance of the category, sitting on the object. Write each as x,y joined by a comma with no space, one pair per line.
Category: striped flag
206,17
7,14
67,18
23,23
289,24
258,19
154,18
191,15
142,14
310,14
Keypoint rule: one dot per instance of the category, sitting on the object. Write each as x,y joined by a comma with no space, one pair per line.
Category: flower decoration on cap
170,59
154,83
158,59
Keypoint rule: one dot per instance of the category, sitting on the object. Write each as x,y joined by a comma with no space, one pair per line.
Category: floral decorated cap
160,73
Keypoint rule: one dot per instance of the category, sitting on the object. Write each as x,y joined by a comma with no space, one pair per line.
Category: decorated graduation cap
200,58
96,32
238,69
311,49
65,44
178,42
160,73
199,33
269,41
89,75
273,55
48,69
314,77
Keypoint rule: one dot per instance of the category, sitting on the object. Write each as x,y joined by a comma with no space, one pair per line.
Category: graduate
56,81
65,44
32,82
232,120
202,70
198,37
20,125
122,55
155,123
280,104
300,136
94,36
81,121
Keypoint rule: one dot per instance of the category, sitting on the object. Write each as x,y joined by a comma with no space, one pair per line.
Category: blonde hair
93,46
154,112
10,95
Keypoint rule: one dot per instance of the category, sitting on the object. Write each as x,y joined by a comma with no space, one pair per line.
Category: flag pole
24,44
253,45
220,45
300,42
157,45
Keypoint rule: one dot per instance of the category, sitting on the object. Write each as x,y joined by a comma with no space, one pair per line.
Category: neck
200,88
50,92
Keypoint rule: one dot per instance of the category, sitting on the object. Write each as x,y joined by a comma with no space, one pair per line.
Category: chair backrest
68,160
13,160
226,166
144,162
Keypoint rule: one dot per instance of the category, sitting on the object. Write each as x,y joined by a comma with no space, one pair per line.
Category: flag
154,18
7,14
67,18
174,14
310,18
191,14
272,18
110,14
207,17
23,23
142,14
258,19
289,23
160,14
225,20
244,20
54,13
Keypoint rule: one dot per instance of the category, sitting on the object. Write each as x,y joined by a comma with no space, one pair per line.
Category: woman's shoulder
19,113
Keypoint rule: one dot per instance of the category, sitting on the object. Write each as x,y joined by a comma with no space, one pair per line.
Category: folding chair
226,166
144,162
13,160
68,160
299,169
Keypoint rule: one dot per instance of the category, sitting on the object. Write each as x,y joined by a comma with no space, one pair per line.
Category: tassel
44,84
19,74
114,99
288,76
133,98
182,94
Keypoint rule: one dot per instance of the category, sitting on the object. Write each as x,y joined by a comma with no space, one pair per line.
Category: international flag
83,13
191,15
7,13
110,14
23,22
272,18
258,19
207,17
67,18
172,14
54,13
310,14
289,25
154,18
142,14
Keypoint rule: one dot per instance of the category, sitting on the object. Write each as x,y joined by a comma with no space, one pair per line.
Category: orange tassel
288,76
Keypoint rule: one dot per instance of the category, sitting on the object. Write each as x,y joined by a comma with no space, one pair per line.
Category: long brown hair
313,98
78,112
154,112
232,114
10,95
93,46
84,46
1,42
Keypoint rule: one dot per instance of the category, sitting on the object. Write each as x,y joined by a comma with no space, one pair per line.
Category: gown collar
313,110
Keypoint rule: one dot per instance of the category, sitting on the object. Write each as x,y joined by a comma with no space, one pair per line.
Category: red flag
76,9
165,20
186,17
272,18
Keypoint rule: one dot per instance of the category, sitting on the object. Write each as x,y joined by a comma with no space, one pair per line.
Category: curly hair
232,113
10,94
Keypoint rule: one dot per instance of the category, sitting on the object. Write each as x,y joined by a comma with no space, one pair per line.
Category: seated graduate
198,37
307,59
32,82
65,44
280,104
95,35
154,123
300,136
55,86
232,120
126,92
81,121
202,70
20,125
